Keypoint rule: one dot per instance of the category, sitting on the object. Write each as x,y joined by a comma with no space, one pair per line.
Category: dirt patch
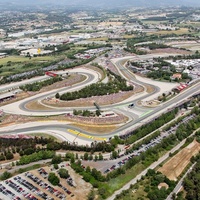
103,121
111,23
149,104
175,166
35,105
169,50
16,157
10,119
82,188
96,129
149,88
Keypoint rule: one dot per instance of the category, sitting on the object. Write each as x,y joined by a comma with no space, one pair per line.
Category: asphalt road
180,183
86,82
152,166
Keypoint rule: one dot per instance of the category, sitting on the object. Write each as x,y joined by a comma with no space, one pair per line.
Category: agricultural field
175,166
187,45
165,32
18,64
154,22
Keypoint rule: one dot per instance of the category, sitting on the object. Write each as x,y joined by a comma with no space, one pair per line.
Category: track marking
85,135
146,113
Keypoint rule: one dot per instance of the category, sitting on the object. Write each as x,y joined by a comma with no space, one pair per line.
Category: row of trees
6,156
86,113
94,147
22,146
153,46
39,85
150,127
98,89
41,155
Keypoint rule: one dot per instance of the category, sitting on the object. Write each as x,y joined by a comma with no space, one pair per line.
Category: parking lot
34,185
124,158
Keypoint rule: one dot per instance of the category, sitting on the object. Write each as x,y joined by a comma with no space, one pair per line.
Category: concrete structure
6,96
35,52
3,55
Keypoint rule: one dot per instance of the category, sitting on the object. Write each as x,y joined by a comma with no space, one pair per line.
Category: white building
35,52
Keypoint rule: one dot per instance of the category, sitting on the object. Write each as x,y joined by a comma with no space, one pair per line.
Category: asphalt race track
137,115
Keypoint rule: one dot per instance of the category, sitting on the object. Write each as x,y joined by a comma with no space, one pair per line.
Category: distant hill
108,3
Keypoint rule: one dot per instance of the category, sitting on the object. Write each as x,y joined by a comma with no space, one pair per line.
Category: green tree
53,179
98,112
5,175
9,156
63,173
114,154
57,96
100,156
56,159
85,156
55,166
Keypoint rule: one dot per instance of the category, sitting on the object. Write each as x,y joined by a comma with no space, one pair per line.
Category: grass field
18,59
18,64
194,24
120,181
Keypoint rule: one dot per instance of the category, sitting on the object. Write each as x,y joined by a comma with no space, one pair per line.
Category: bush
41,155
5,175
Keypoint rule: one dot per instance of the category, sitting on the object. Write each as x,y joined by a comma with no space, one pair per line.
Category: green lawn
19,59
117,183
18,64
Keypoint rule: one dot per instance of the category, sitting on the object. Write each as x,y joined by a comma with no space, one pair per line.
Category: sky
106,3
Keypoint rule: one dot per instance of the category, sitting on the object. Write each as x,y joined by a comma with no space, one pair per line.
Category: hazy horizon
105,3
